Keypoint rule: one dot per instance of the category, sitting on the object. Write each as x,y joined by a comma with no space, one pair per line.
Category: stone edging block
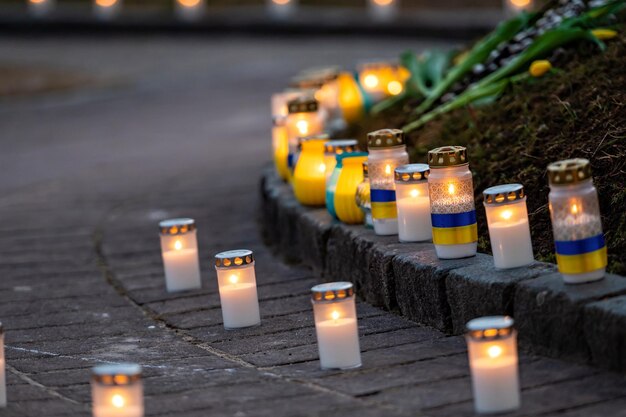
585,323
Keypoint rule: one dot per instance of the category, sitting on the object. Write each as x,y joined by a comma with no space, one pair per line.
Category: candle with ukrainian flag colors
348,179
452,208
386,152
575,212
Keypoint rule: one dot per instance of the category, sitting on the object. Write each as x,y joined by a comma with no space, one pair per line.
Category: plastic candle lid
234,258
332,291
338,146
411,173
490,327
503,194
177,226
117,374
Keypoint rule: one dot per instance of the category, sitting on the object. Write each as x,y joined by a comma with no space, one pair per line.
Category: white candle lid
503,194
117,373
411,173
490,327
332,291
234,258
177,226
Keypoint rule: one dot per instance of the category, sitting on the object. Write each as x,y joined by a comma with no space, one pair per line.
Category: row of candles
381,10
434,201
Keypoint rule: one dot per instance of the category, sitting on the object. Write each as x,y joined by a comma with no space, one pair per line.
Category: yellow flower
540,67
604,34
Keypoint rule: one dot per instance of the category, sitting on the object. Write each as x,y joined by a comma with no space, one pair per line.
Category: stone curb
584,323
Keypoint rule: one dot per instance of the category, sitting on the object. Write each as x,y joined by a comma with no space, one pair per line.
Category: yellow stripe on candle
455,235
579,264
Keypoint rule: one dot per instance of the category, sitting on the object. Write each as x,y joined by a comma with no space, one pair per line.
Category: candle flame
233,279
178,245
574,208
520,3
106,3
303,126
335,315
394,88
322,167
451,189
189,3
414,193
494,351
506,214
370,81
281,2
118,401
388,169
383,2
37,1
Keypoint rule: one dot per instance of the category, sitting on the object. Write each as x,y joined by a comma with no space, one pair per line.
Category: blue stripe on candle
577,247
453,219
382,196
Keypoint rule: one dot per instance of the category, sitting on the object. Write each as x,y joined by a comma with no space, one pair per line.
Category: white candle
507,219
180,254
383,10
336,325
190,10
492,350
107,9
3,384
117,391
413,203
238,289
281,9
39,8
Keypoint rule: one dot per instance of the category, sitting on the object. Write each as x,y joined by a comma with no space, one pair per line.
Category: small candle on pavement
117,391
179,249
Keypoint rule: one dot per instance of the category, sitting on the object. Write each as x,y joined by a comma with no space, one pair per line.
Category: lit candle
382,79
39,8
351,99
363,197
349,177
304,120
413,203
179,248
507,219
281,9
383,10
107,9
386,152
575,212
515,7
492,349
117,391
326,83
280,147
336,325
237,287
3,384
453,212
309,177
335,147
190,10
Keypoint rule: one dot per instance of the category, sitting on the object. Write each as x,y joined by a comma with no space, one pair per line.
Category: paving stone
549,314
604,324
313,231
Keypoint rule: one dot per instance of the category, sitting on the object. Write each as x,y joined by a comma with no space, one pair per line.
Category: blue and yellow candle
331,183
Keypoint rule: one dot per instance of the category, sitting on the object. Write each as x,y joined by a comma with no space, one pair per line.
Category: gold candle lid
307,81
569,171
339,146
177,226
302,104
503,194
116,374
234,258
385,138
332,291
447,156
411,173
490,327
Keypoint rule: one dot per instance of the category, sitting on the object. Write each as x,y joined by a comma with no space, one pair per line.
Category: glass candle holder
413,203
453,212
363,197
509,232
331,182
327,94
190,10
280,101
179,248
382,79
309,177
514,7
3,383
353,103
492,350
304,119
237,286
575,212
386,152
117,391
336,147
383,10
348,179
107,9
40,8
281,9
336,325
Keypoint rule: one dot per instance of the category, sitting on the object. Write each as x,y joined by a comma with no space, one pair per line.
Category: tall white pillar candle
336,325
179,248
507,219
413,203
237,287
190,10
40,8
3,384
107,9
492,349
117,391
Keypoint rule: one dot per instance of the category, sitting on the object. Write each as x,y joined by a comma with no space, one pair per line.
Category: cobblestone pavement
183,132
